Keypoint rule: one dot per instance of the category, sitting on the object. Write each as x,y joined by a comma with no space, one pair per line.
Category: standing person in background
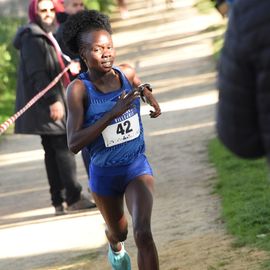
40,63
122,6
72,7
243,116
59,6
104,115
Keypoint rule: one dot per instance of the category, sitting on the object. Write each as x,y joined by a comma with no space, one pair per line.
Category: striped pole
4,126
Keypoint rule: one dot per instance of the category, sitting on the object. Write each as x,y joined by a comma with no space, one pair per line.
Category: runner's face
98,50
73,6
46,12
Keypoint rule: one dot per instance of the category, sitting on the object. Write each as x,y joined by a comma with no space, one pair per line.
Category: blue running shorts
112,181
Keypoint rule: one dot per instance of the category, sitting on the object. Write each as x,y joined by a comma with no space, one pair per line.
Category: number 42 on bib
127,129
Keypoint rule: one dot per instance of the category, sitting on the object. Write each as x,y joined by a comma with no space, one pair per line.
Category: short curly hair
80,23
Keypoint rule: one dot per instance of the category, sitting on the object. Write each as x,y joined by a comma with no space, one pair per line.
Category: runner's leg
112,210
139,202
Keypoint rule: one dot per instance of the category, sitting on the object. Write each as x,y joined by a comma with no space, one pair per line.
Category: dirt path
171,50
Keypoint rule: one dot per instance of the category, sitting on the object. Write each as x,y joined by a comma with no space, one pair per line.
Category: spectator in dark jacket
72,7
40,63
243,119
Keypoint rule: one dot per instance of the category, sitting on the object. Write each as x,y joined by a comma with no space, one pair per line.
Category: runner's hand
152,102
75,67
124,103
57,111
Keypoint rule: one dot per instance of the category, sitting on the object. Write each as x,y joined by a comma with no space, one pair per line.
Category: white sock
120,252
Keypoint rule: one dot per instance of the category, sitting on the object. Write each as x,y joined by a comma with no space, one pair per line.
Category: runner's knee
143,237
121,236
118,236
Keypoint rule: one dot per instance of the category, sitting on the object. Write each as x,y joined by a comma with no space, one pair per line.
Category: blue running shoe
119,260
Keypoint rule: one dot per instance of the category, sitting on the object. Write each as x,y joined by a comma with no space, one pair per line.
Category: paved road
171,50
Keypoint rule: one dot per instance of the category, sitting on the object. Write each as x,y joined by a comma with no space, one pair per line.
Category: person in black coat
72,7
243,112
40,63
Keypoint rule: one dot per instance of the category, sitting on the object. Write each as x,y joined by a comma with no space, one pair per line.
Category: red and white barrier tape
4,126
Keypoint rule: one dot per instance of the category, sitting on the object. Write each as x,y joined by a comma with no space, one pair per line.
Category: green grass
105,6
218,44
218,38
244,188
8,66
243,185
204,6
7,100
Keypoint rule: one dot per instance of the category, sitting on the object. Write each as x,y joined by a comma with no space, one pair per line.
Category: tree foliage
9,57
8,65
101,5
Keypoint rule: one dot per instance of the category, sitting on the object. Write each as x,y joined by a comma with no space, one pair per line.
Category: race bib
123,129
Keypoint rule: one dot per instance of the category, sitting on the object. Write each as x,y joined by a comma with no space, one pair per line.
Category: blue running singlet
120,144
123,140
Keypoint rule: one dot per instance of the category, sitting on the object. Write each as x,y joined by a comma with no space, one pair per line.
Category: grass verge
8,66
7,102
244,188
204,6
243,185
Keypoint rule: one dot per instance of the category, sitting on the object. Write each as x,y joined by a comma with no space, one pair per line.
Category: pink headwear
59,5
32,10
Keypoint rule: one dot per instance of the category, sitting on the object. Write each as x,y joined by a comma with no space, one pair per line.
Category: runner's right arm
78,136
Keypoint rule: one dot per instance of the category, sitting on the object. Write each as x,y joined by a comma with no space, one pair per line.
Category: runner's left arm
146,91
